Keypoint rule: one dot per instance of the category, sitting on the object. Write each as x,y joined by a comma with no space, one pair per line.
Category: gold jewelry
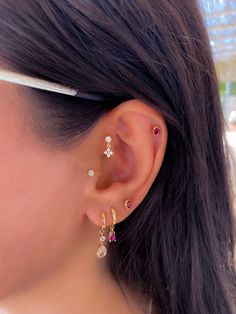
112,234
102,250
108,152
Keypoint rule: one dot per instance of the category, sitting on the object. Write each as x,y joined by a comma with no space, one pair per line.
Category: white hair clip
29,81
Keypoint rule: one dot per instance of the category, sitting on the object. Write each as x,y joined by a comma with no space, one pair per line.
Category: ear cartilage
108,152
156,130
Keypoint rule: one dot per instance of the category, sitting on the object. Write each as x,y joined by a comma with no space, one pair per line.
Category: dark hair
180,251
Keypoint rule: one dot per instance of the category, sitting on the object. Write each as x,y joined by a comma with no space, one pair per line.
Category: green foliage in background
222,90
232,89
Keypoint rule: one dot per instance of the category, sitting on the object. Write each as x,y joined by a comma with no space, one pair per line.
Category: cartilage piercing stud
108,152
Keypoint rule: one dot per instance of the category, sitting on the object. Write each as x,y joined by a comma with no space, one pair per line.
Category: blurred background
220,20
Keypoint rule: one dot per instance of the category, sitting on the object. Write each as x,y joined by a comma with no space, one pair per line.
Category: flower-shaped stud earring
102,250
108,152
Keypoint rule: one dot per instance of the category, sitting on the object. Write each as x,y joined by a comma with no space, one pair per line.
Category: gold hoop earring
102,250
112,234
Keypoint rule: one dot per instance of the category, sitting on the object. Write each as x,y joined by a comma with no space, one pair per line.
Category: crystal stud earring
102,250
112,234
108,152
91,172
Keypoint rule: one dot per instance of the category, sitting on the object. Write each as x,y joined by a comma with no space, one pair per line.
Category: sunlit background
220,19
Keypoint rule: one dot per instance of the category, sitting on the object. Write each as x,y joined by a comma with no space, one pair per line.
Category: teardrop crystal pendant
101,251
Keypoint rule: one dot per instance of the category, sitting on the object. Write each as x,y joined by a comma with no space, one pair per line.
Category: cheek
37,213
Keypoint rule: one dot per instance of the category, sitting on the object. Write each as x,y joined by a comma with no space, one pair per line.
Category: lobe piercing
108,152
102,250
128,204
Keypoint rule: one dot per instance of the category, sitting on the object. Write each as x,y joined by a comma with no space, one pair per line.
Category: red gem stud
156,130
128,204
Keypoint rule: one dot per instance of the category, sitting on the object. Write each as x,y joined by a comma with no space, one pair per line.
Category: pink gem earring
128,204
112,234
156,130
102,250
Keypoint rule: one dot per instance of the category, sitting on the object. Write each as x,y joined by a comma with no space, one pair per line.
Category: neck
80,284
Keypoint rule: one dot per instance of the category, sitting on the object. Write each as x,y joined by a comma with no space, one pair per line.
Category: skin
50,208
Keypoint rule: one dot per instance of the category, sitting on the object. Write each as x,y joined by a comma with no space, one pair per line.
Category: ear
137,157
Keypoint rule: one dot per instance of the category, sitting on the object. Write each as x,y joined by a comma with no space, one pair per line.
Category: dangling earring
112,234
108,152
102,250
91,172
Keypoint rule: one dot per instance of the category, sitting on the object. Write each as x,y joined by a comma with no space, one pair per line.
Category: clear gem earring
91,172
108,152
102,250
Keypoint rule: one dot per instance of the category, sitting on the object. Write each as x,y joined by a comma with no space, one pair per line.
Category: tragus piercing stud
91,172
102,250
156,130
112,234
108,152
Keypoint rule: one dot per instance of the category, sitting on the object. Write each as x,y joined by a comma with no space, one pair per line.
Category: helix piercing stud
91,172
156,130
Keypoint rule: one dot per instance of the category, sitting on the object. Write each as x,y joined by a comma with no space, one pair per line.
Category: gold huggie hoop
102,250
112,234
